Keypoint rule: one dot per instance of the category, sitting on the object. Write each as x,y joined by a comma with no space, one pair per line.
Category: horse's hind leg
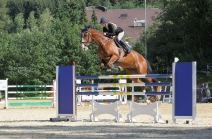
147,98
143,70
157,89
135,80
150,81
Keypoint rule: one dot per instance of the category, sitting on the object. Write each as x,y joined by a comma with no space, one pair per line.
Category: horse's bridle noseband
87,43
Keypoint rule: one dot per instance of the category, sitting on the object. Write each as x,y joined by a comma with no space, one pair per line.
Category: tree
31,22
45,21
73,10
183,31
3,14
93,3
5,41
27,6
107,4
128,5
32,58
83,13
18,23
94,17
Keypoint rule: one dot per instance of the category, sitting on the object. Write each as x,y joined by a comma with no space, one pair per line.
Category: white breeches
120,35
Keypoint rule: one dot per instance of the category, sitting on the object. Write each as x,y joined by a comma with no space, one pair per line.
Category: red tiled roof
127,23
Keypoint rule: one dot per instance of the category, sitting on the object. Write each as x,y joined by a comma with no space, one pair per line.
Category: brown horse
133,63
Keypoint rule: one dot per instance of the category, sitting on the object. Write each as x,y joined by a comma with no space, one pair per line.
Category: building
131,20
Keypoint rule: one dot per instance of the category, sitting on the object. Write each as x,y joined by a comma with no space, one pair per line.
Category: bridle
88,37
100,44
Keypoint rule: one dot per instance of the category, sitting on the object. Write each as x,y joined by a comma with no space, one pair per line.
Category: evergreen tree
94,17
107,4
3,14
45,21
73,10
31,22
83,13
94,3
5,42
128,5
19,23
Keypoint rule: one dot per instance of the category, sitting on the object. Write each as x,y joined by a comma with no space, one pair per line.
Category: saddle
121,44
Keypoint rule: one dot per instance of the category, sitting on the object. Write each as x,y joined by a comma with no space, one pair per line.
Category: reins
101,44
96,40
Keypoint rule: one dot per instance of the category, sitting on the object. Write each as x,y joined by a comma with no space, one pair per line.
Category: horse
111,55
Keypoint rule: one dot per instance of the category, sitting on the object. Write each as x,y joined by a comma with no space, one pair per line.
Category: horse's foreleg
137,80
112,60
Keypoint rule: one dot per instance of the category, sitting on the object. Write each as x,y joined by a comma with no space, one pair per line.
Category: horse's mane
96,31
90,27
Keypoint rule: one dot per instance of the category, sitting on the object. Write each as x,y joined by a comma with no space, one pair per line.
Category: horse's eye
83,34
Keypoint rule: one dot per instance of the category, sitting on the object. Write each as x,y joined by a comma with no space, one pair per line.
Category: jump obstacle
183,94
103,99
26,101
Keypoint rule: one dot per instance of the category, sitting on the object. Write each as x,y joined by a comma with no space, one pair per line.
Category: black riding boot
117,43
126,46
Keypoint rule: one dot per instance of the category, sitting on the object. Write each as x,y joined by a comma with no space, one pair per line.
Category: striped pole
100,90
126,76
123,84
29,92
123,93
29,98
29,86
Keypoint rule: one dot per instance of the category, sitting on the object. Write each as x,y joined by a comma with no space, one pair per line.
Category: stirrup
128,52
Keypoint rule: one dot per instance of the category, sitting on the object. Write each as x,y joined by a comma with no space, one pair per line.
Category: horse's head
86,38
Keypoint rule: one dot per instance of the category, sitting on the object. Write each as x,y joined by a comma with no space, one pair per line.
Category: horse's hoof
147,102
152,99
120,68
109,70
103,68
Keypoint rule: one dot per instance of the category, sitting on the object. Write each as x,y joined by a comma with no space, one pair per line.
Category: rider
110,29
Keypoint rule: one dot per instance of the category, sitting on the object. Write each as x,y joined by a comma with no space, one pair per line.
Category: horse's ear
81,29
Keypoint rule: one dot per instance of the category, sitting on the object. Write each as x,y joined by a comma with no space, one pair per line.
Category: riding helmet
103,20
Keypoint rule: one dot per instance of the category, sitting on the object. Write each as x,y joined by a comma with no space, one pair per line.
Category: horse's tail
157,88
149,70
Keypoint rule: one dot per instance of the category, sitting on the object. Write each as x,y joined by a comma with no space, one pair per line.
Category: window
123,16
